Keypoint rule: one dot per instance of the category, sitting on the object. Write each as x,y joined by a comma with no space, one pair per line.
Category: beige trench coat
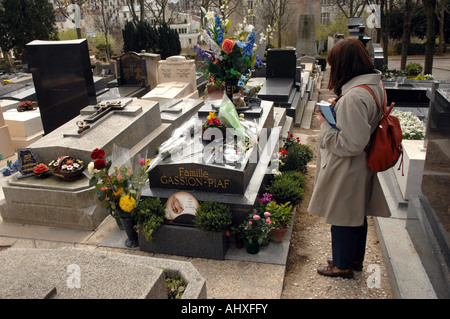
345,189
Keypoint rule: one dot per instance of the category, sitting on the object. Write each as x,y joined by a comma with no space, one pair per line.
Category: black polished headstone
62,78
281,63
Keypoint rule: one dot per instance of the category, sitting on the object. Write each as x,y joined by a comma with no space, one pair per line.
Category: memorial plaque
181,208
62,78
27,161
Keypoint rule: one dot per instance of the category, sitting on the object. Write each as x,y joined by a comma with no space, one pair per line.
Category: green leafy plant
175,285
212,216
295,157
280,214
149,216
287,188
414,68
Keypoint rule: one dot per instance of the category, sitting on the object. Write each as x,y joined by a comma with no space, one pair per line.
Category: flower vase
231,87
251,247
239,242
128,225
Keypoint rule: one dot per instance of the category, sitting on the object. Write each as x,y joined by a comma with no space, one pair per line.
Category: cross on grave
102,108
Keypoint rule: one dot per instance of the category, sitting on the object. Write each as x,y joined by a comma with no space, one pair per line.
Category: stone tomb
176,79
54,202
6,146
25,127
205,178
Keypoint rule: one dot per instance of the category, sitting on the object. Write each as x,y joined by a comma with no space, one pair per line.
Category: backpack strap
383,109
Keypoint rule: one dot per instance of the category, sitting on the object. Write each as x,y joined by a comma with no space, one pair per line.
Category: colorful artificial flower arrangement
26,106
41,169
118,189
212,121
229,58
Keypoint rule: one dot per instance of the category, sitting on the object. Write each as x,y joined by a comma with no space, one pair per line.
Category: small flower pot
252,248
278,234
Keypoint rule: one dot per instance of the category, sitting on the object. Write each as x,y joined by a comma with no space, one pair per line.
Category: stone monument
306,36
428,222
6,146
54,202
62,79
177,79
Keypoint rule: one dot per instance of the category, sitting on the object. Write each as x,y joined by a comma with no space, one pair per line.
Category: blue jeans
348,245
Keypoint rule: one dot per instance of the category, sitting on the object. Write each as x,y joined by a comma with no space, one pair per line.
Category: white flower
248,28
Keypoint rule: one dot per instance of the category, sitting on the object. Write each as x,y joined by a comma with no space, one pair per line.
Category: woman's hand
320,117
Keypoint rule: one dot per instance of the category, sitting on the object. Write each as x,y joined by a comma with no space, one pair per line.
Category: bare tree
351,8
411,7
429,7
441,10
132,5
106,18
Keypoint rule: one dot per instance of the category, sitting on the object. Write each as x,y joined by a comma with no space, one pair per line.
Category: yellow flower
212,115
127,203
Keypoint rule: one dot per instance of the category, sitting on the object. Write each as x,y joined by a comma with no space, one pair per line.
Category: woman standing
346,190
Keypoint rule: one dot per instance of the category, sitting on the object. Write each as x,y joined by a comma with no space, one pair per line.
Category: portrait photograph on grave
181,208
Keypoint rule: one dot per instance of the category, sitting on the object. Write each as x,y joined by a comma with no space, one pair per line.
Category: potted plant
149,216
287,187
280,215
254,231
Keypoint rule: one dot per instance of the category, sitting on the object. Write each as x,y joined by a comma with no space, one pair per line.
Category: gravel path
311,246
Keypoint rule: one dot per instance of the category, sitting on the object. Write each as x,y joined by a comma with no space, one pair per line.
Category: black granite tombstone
281,63
62,78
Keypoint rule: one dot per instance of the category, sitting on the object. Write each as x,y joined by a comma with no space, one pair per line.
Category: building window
325,17
250,4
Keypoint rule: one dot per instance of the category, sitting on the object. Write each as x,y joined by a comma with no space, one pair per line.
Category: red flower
227,45
99,163
97,153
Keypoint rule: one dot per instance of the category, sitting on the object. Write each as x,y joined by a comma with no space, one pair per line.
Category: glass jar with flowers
212,121
118,189
254,231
